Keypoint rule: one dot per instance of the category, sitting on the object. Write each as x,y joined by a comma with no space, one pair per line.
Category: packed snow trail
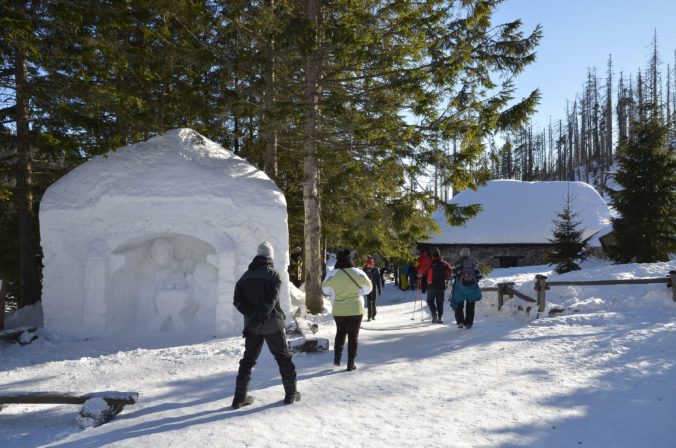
602,376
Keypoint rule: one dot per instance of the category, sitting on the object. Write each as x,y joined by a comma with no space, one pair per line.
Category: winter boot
350,364
241,401
291,395
241,387
336,356
434,318
292,398
440,320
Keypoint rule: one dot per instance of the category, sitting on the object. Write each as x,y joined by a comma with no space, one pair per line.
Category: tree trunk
608,153
29,289
312,226
269,122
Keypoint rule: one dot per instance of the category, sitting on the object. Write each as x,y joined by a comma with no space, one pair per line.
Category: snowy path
602,378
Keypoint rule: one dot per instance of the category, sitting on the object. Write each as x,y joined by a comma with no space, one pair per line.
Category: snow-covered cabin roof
516,212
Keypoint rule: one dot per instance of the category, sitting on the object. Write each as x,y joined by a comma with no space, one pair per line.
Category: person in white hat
257,298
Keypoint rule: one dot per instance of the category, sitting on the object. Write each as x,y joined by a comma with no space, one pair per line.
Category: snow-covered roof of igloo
178,164
516,212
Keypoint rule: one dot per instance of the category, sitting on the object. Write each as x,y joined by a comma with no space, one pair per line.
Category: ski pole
415,303
422,315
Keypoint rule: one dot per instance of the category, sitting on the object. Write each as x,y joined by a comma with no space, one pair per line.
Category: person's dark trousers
253,345
423,284
371,306
347,326
435,300
462,318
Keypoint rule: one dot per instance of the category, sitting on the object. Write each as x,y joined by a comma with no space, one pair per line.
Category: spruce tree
646,203
388,84
568,247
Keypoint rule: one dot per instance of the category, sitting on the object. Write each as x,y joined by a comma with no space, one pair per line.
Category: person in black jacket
257,298
374,275
438,273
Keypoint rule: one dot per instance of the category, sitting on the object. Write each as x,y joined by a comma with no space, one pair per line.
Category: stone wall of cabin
493,254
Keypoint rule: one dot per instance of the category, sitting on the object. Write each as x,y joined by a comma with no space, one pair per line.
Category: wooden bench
97,407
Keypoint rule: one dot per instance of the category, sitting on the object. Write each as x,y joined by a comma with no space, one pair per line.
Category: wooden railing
506,289
542,285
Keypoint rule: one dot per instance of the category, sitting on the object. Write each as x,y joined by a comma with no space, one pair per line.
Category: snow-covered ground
601,374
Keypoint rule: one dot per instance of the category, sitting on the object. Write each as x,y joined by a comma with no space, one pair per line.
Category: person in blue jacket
466,291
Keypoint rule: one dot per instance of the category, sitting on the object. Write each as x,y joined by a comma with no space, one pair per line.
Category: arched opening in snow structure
162,282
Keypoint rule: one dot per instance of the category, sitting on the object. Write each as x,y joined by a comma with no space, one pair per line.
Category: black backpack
467,272
438,269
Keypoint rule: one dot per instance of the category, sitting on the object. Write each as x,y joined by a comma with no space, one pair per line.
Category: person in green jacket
346,285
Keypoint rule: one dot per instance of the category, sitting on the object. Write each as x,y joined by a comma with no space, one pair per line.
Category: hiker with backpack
438,273
466,291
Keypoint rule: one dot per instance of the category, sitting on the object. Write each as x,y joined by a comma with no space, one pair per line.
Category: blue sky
580,34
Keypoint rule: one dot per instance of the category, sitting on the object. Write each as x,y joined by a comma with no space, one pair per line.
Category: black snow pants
253,345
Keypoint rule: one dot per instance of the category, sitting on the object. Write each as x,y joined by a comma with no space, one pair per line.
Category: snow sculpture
153,237
158,285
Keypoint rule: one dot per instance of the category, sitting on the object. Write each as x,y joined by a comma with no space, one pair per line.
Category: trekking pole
415,303
422,315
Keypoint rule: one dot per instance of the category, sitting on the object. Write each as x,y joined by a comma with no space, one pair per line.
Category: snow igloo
153,237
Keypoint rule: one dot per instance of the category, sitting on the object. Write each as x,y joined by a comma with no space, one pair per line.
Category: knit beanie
265,250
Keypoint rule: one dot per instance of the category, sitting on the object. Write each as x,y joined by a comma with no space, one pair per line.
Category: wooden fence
542,285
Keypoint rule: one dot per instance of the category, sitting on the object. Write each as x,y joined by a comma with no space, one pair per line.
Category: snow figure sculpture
168,285
165,283
204,284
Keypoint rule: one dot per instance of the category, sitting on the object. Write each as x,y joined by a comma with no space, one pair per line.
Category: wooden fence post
672,274
540,287
501,295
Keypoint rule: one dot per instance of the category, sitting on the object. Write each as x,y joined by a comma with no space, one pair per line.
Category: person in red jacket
424,261
438,273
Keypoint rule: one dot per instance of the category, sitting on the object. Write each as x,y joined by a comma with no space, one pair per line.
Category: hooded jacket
257,298
346,287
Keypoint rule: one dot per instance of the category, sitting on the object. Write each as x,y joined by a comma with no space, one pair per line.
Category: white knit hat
265,250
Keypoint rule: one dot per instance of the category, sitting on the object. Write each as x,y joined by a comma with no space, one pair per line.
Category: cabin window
508,261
